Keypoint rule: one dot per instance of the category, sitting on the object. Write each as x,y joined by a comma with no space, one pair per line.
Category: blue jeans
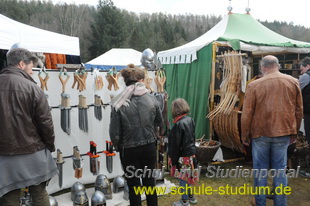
189,191
268,151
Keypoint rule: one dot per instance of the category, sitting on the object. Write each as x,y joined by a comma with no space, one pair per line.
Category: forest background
103,27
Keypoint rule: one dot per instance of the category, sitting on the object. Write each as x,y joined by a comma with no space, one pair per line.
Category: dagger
60,161
77,162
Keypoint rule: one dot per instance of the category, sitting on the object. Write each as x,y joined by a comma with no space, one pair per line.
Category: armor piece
98,199
77,186
53,201
118,184
80,198
126,192
103,184
147,59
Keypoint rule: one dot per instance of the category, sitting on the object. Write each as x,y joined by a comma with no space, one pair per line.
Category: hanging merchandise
98,80
60,161
51,60
112,77
43,81
65,113
160,79
83,118
97,107
63,72
80,77
231,84
77,163
93,158
109,156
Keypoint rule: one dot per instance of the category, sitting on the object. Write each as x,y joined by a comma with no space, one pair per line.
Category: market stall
211,72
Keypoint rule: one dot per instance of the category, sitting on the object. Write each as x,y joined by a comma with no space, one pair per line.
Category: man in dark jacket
26,132
304,83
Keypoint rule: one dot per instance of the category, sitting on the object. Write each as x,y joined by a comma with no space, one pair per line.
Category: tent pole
212,84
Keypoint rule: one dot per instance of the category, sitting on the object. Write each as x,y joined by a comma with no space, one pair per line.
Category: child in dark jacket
182,150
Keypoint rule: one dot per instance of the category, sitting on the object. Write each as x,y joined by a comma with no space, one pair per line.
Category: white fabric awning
187,53
35,39
118,56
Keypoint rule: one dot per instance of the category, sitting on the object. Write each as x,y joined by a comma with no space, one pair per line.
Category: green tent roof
243,27
241,31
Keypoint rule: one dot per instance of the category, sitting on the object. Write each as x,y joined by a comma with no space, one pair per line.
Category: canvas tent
188,67
35,39
117,57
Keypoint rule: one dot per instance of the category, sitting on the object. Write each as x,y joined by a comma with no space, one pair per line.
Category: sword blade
69,121
109,164
97,166
59,167
80,118
61,119
96,112
86,120
100,113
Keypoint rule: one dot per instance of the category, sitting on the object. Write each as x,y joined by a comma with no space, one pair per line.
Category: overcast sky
295,11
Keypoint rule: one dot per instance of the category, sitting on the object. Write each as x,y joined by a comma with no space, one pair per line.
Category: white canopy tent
116,57
35,39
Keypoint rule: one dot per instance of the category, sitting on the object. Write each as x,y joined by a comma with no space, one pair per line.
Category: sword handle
76,152
60,159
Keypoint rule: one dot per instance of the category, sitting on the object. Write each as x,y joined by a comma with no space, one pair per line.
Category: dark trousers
307,127
137,158
38,193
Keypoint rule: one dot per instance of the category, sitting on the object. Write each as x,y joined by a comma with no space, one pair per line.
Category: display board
98,131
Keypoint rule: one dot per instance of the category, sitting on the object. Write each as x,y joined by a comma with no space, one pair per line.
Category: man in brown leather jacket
271,114
26,132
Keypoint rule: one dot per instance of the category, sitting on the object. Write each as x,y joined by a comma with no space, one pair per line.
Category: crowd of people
272,113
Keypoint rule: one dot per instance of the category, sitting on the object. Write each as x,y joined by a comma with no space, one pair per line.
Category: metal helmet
53,201
118,183
147,59
98,199
77,186
126,192
103,184
15,46
80,198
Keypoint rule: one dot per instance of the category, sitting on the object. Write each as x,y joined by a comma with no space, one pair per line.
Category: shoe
181,203
192,200
304,173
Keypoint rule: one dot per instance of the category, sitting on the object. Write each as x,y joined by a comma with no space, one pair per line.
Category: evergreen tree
108,30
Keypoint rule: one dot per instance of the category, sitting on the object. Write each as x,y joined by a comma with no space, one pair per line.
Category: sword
94,162
83,119
65,113
97,107
77,162
109,156
59,161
